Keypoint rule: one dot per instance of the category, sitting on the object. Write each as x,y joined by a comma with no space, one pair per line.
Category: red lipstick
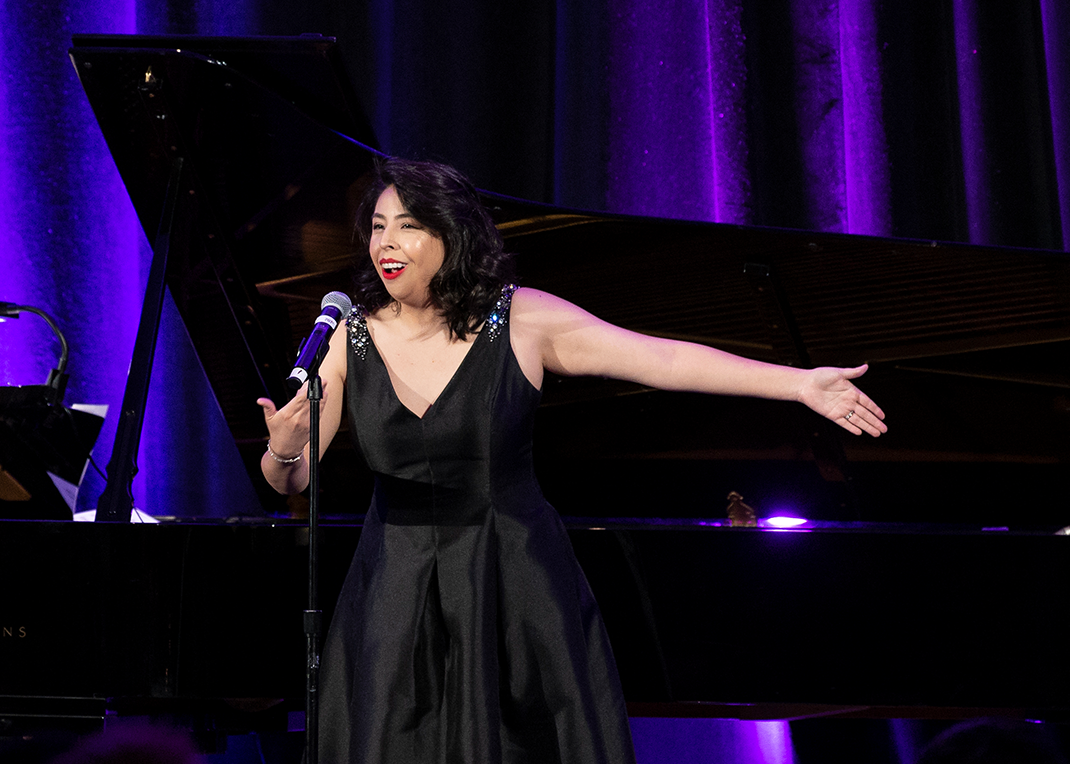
391,268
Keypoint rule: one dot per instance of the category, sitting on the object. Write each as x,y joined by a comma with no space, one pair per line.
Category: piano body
930,581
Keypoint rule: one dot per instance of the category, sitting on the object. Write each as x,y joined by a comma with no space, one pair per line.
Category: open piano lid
268,131
968,345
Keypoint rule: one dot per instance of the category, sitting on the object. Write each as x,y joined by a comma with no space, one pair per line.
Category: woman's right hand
288,430
288,427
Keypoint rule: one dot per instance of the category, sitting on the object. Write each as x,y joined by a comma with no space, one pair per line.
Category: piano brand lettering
14,632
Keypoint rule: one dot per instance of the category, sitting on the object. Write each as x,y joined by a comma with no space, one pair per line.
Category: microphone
334,307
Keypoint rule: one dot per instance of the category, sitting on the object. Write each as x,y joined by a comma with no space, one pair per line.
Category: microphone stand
313,616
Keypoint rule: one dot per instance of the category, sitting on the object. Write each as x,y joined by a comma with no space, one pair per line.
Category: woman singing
466,631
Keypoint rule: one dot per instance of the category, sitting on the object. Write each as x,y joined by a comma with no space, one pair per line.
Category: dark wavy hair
475,266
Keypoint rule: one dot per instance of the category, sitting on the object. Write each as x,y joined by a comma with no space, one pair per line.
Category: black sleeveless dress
465,631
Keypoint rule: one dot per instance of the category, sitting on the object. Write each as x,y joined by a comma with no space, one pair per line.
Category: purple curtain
943,121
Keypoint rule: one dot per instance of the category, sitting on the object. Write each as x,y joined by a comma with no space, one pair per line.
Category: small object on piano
740,515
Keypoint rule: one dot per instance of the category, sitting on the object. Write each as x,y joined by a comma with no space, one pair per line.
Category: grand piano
930,578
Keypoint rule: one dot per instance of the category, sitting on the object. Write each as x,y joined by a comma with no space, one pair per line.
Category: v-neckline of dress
445,388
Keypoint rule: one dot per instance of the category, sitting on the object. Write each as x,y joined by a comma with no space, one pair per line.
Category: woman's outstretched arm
556,335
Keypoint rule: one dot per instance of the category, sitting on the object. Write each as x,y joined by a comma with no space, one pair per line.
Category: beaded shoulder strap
357,327
499,314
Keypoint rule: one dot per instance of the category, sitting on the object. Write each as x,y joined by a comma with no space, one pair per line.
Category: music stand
39,440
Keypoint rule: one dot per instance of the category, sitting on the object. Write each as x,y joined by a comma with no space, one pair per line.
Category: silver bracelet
279,459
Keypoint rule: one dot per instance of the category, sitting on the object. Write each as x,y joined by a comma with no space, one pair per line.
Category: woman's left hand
830,392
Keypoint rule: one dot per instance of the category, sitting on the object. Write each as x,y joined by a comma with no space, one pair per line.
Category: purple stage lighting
784,521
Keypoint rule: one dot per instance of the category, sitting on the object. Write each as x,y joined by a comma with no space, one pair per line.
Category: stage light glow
784,521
